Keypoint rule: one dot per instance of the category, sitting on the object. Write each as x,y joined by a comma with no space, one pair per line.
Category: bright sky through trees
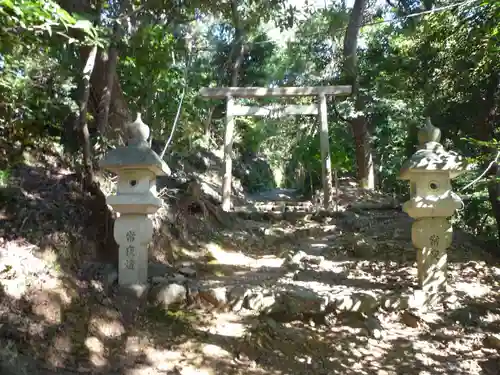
282,37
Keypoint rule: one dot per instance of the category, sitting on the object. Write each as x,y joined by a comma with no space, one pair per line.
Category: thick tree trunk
76,128
363,150
101,218
364,156
70,136
111,61
104,82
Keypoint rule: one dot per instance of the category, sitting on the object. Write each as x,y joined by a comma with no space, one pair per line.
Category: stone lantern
431,203
137,167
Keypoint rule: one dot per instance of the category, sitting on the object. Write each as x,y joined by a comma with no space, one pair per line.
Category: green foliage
455,55
4,178
150,76
31,19
35,91
443,64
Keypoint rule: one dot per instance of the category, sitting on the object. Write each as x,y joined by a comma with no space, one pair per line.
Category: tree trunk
82,117
104,80
100,222
105,102
111,61
494,195
101,218
239,47
238,51
364,156
208,123
71,133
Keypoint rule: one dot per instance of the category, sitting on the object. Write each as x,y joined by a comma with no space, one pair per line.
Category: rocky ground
284,288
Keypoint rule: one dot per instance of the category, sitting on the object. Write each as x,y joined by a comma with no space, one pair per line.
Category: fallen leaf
411,320
492,341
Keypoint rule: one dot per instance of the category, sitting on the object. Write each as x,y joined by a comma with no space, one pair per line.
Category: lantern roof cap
136,154
431,157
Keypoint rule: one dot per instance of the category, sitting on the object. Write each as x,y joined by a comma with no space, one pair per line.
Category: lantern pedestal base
422,300
133,233
432,267
432,236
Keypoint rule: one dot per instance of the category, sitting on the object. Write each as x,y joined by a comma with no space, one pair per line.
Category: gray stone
167,295
357,302
187,271
102,276
306,275
374,328
262,301
302,300
314,259
178,278
186,263
237,296
193,292
160,280
300,260
159,269
362,246
217,297
394,302
294,261
134,291
298,257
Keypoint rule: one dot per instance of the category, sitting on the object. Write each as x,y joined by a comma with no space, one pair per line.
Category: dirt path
252,301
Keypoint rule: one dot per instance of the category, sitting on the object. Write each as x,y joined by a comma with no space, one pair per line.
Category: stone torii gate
233,110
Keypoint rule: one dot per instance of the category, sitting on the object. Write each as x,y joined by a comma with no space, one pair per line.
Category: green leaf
7,3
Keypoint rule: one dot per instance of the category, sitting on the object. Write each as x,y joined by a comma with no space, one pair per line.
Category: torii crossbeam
232,110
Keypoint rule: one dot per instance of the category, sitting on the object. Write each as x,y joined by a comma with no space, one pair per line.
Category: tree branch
484,173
